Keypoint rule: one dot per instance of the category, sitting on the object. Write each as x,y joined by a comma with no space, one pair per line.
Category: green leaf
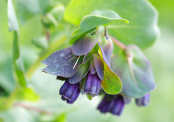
17,61
111,83
89,97
41,42
95,19
135,72
26,9
27,94
80,74
12,20
142,29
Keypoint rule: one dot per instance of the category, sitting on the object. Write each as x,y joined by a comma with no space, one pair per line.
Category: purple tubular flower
104,104
116,106
112,104
144,101
92,85
69,92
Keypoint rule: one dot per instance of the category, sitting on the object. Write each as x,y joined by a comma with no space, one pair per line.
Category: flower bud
92,85
144,101
69,92
117,105
112,104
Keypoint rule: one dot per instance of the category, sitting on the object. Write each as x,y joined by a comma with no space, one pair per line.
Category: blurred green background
161,108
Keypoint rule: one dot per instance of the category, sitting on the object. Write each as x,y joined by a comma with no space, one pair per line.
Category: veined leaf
135,71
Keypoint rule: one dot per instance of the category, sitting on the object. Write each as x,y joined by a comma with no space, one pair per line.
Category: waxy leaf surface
111,83
95,19
84,44
64,65
91,53
80,74
135,72
142,29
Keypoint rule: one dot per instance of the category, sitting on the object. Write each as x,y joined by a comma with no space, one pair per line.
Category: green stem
45,54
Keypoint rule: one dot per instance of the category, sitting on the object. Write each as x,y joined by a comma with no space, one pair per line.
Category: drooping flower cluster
81,65
87,67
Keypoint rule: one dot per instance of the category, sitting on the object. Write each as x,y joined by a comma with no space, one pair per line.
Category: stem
32,108
45,54
118,43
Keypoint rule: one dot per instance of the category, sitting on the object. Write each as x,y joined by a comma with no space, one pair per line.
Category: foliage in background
35,25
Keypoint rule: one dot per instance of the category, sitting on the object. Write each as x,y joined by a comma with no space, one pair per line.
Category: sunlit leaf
27,94
95,19
111,83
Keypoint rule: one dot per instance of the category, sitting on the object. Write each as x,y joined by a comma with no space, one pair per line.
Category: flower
69,92
92,85
112,104
143,101
79,62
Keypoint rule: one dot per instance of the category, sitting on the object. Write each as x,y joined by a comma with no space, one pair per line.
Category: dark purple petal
84,44
71,91
74,97
92,85
144,101
63,65
104,104
59,54
64,87
99,66
63,98
117,105
68,90
80,74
